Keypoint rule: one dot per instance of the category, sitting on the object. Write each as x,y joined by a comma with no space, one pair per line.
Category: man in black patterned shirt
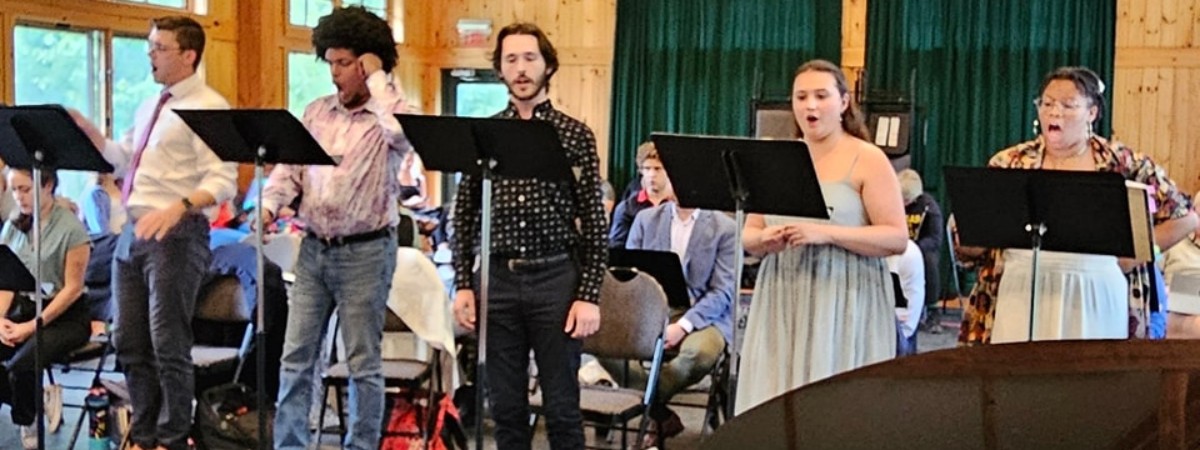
548,256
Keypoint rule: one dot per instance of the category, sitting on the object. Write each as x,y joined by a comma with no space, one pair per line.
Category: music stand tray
1065,211
665,267
14,276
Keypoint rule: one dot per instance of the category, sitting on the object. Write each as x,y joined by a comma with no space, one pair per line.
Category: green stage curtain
692,66
977,65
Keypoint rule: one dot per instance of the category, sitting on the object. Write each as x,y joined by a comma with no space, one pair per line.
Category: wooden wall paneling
1153,22
854,38
125,17
221,64
1183,135
1146,96
1155,87
7,82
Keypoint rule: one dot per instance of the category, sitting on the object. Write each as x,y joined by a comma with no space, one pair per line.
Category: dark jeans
66,333
527,310
156,284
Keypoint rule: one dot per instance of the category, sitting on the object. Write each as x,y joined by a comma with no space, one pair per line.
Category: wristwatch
187,204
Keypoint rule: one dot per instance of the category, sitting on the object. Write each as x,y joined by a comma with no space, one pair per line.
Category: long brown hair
22,221
852,119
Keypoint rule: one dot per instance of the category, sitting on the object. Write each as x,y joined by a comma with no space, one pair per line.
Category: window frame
297,34
189,6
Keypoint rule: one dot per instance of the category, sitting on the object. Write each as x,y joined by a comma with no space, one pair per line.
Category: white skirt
1080,296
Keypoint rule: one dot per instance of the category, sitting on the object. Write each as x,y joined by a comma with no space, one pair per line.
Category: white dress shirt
911,268
681,234
176,162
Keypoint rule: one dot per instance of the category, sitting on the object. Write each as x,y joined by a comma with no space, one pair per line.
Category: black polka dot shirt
533,218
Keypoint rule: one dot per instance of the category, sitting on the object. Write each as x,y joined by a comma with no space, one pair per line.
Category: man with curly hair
349,253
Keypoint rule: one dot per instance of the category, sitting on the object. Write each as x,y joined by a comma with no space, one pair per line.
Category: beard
538,83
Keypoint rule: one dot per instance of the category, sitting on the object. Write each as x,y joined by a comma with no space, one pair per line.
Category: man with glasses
655,190
172,179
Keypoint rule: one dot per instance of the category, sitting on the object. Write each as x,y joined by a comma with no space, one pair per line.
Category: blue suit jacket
707,265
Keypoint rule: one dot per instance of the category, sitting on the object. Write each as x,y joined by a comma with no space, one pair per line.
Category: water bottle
96,403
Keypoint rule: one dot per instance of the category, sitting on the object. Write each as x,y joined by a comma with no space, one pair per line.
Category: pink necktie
127,185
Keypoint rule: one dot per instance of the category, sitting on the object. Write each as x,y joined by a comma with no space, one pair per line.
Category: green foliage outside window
308,79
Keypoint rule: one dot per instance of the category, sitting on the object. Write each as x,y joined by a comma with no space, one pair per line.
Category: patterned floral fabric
1109,157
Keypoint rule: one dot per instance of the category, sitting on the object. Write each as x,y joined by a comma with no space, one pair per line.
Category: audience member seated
653,192
908,275
239,260
609,198
65,250
925,226
102,211
1179,261
414,194
705,243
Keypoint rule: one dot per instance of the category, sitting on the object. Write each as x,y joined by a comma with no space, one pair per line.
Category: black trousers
18,386
528,310
156,284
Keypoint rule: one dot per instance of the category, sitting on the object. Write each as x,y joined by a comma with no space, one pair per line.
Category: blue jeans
356,279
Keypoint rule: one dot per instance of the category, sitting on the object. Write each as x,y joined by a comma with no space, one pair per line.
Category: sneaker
29,439
53,407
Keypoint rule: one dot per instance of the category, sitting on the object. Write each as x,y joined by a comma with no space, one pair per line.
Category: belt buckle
512,264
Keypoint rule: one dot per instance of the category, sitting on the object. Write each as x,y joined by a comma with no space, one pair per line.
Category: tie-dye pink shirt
359,194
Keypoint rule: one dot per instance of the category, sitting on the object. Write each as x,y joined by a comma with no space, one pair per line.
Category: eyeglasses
650,168
159,48
1045,104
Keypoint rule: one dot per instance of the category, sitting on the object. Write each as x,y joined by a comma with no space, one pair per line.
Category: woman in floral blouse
1081,296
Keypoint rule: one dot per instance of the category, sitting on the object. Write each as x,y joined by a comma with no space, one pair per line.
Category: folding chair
223,301
400,373
634,315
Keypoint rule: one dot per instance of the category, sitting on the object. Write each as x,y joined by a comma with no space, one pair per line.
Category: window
308,79
67,67
305,13
131,83
470,93
181,4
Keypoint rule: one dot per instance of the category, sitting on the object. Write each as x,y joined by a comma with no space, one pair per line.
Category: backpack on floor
227,418
408,410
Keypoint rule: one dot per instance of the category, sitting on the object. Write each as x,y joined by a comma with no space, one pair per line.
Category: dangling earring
1037,127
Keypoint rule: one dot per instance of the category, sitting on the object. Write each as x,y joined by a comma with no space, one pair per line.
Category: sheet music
881,131
894,131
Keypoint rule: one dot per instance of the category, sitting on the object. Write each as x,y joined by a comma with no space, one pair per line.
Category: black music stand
14,276
41,138
741,175
1065,211
487,148
257,136
665,267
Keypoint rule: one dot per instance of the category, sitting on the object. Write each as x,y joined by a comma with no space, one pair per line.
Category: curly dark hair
358,30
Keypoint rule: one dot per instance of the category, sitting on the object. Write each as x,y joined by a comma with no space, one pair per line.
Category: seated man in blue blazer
704,241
